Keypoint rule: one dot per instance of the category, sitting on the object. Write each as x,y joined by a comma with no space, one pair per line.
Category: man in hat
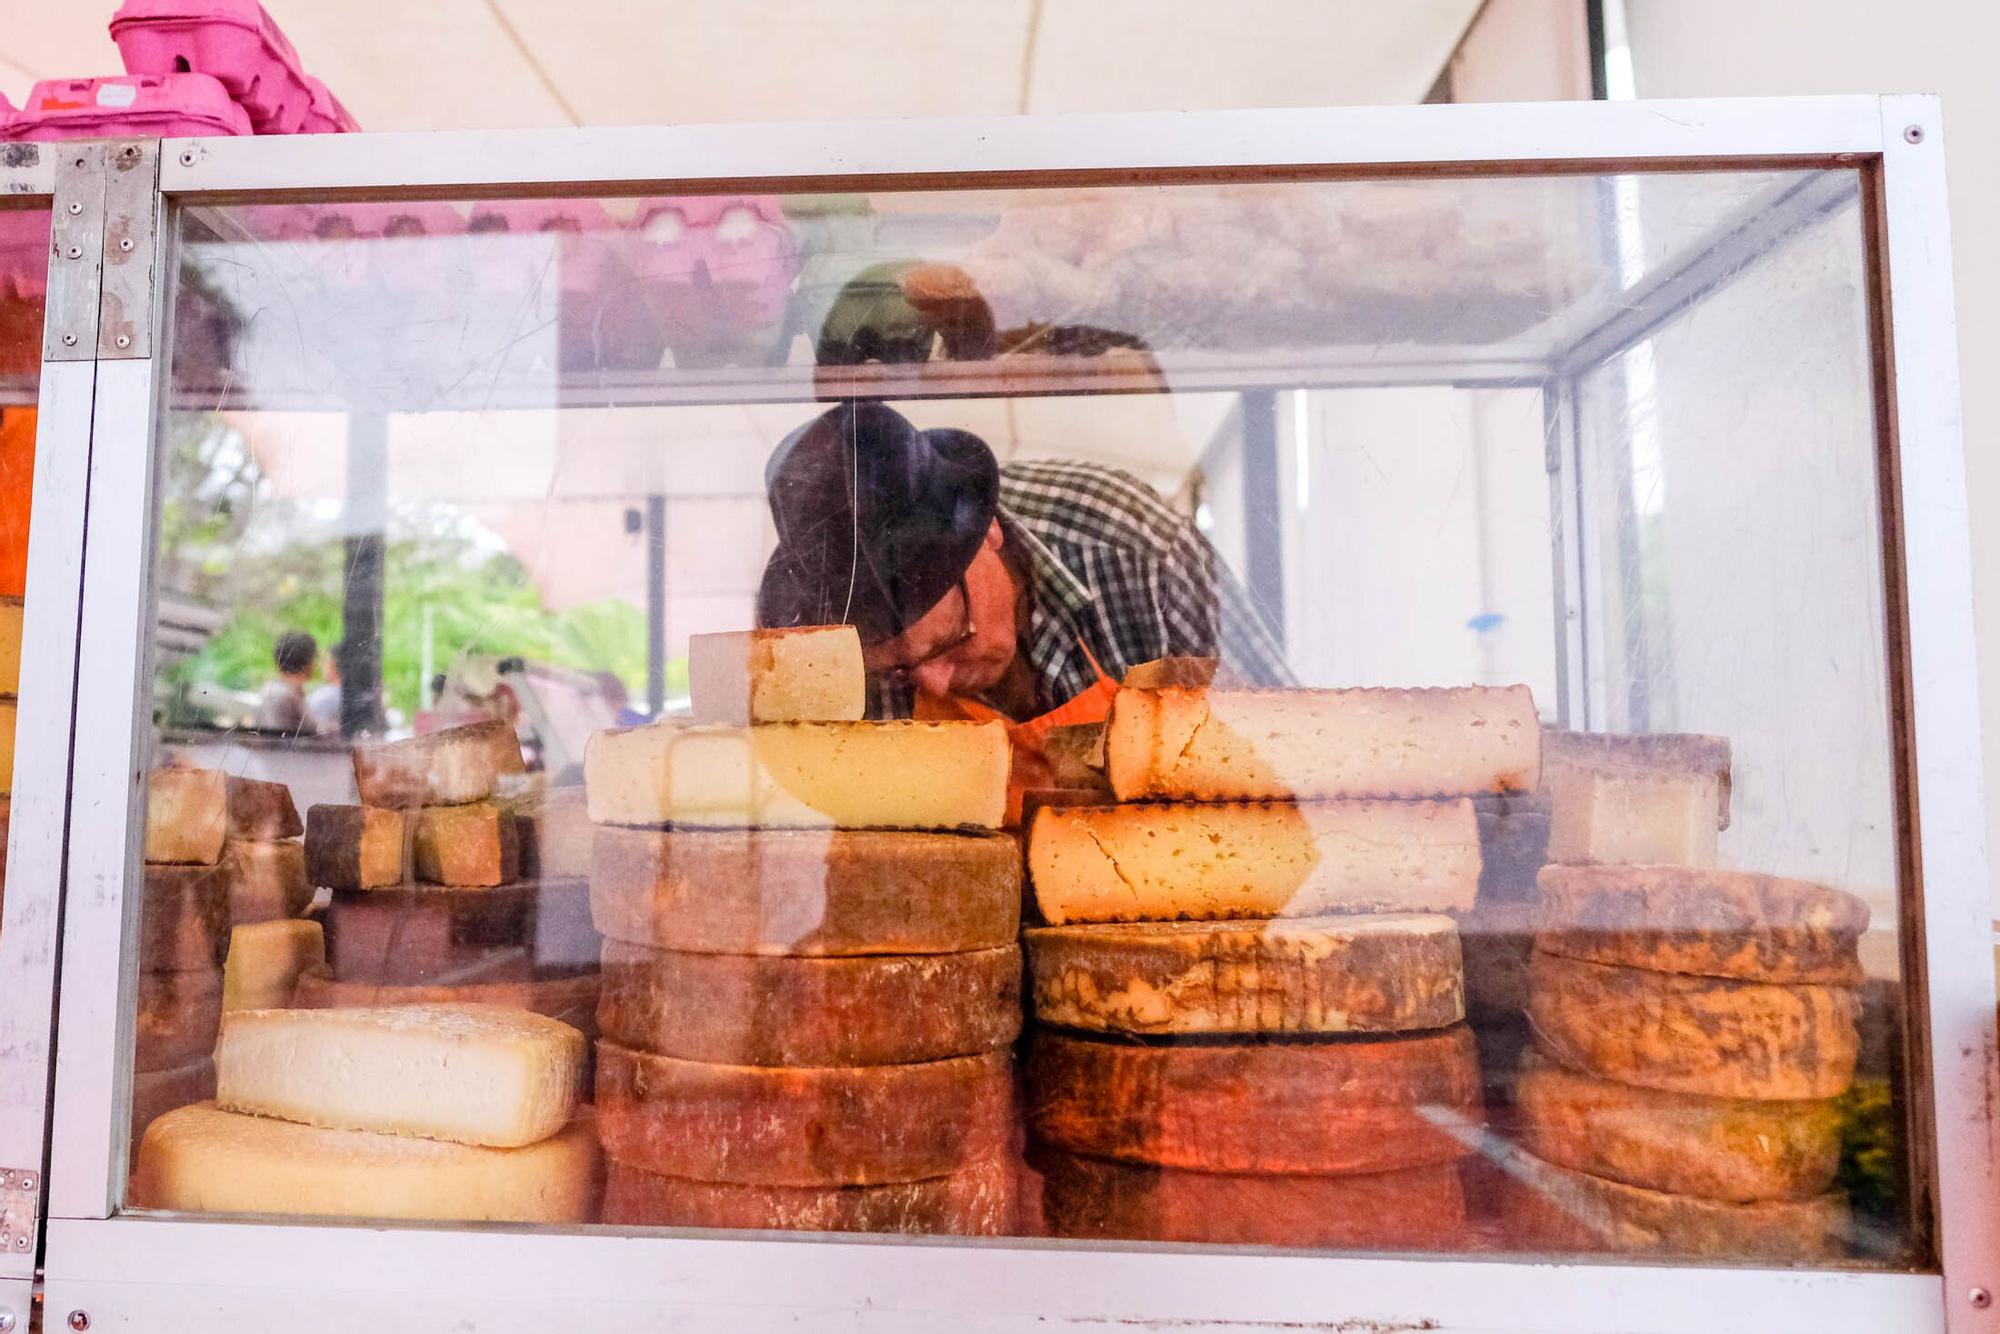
1020,593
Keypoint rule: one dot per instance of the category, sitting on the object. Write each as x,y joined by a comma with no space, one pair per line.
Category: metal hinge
20,1209
76,254
131,212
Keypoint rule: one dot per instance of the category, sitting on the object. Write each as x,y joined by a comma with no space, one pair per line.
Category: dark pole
364,525
1263,516
656,605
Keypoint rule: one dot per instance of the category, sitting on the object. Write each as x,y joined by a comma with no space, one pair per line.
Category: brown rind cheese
773,1126
740,1009
357,847
187,815
476,844
1497,943
157,1092
179,1015
447,768
806,892
975,1201
1381,973
1313,1109
1716,923
1730,1149
440,936
1715,1036
262,811
184,917
267,880
1422,1208
571,999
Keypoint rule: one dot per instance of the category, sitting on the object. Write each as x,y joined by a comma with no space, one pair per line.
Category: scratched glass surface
1597,956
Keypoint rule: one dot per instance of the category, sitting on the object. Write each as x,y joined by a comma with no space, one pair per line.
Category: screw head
1981,1298
74,252
6,1322
26,1181
124,243
21,1242
75,207
123,340
187,158
1915,134
69,340
79,1321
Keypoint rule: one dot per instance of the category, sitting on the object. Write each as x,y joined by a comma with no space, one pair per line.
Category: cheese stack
459,1112
10,685
811,968
1273,883
1691,1027
453,880
270,940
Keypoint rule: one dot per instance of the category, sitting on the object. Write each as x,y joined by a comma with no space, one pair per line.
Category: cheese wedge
849,775
1606,813
10,646
806,674
357,847
447,768
1165,862
187,815
265,962
1281,745
266,880
262,811
475,844
470,1074
203,1159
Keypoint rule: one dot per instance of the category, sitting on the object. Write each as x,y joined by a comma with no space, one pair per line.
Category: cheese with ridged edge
471,1074
202,1159
266,880
851,775
266,960
187,815
808,673
1264,859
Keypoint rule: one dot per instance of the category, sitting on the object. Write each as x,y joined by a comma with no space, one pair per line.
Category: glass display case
1308,720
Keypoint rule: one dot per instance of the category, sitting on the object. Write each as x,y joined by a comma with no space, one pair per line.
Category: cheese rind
1315,1109
1181,671
470,1074
1604,813
438,935
184,917
900,774
777,1126
473,845
357,847
1362,974
178,1015
738,1009
447,768
266,880
265,962
1731,1149
573,999
1719,923
205,1160
262,811
187,815
1164,862
1278,745
801,674
1716,1036
975,1201
1497,943
806,892
1688,754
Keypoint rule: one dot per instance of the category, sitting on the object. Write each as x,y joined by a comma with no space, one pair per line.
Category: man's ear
995,539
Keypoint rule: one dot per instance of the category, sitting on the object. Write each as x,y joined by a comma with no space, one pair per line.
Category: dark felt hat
876,519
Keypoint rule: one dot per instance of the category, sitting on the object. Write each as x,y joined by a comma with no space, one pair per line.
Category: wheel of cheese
1546,1207
1687,1034
741,1009
184,917
1731,1149
157,1092
438,935
975,1201
777,1126
570,999
1317,1108
1715,923
1419,1209
179,1015
1380,973
808,892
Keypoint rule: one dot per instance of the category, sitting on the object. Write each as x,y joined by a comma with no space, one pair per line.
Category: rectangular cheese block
555,834
447,768
1604,813
1282,745
187,815
470,1074
10,646
850,775
265,961
1691,754
267,880
262,810
477,844
807,674
1167,862
357,847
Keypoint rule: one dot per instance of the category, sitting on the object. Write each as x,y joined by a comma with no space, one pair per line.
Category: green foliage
1869,1152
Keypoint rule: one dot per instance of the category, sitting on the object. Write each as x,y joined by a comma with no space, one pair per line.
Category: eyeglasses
903,673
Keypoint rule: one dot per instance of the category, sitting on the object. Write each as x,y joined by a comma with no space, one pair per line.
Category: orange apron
1030,769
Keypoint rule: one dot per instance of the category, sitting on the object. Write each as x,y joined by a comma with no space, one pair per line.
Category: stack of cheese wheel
1250,994
10,685
811,968
1691,1025
271,940
436,894
459,1112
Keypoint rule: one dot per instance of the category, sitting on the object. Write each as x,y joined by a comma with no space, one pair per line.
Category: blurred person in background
323,701
282,706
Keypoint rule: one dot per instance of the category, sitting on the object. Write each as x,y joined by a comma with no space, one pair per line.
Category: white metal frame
132,1273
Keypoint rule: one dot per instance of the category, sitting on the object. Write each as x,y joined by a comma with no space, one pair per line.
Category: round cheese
1419,1209
808,892
975,1201
1360,974
1730,1149
1708,1035
570,999
179,1015
1323,1108
777,1126
184,917
157,1092
1679,919
738,1009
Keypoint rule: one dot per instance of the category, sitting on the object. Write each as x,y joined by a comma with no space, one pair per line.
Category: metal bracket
131,212
20,1209
76,254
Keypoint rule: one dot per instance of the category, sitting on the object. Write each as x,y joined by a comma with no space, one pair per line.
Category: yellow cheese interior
267,879
807,674
1628,815
187,812
10,646
7,720
265,960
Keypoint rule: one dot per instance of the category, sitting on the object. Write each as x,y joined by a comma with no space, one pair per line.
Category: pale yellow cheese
7,720
187,815
10,646
269,879
472,1074
1613,813
1164,862
806,674
265,960
848,775
204,1159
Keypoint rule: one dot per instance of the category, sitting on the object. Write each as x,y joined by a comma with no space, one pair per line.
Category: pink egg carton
367,237
602,318
326,115
234,41
156,106
717,271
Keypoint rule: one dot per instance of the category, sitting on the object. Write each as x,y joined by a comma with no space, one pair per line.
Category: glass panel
463,503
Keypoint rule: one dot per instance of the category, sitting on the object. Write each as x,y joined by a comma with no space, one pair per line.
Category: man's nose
934,678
